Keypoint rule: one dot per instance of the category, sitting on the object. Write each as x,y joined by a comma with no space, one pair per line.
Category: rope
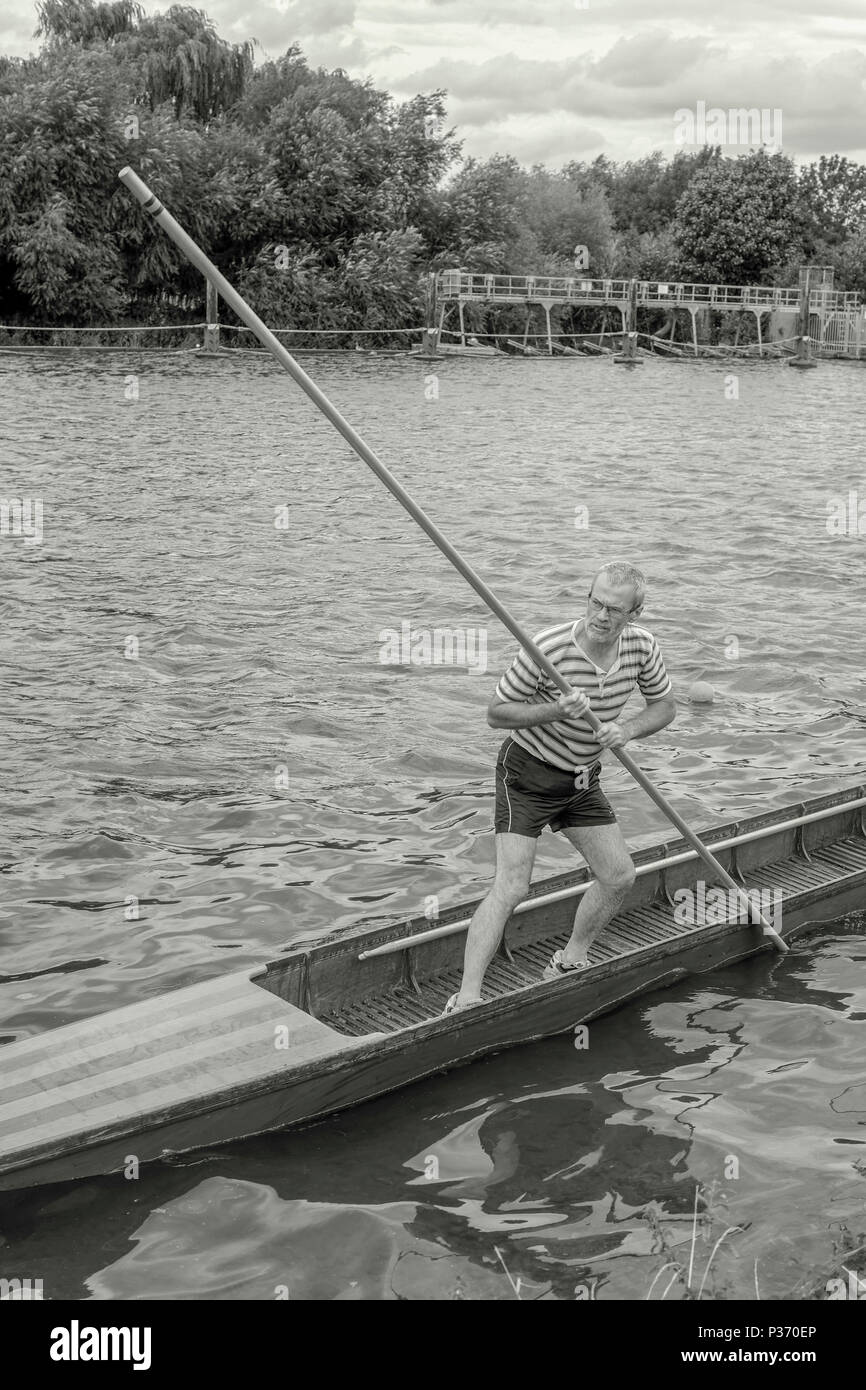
188,327
130,328
350,352
355,332
96,347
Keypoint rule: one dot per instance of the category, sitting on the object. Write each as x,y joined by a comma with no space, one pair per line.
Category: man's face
608,609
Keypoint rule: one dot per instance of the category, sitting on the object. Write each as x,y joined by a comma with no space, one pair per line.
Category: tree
646,191
419,155
378,279
848,259
270,85
642,193
291,288
180,58
490,200
644,255
738,220
84,22
60,141
563,214
835,190
329,170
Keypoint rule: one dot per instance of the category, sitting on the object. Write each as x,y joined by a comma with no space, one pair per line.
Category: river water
211,753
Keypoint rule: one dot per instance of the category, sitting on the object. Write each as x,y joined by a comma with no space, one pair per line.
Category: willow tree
82,21
182,59
178,56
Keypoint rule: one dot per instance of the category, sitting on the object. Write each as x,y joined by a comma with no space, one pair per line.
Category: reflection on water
545,1172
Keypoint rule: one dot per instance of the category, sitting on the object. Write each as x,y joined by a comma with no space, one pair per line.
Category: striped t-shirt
569,743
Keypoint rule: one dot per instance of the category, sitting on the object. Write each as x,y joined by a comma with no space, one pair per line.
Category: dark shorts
531,794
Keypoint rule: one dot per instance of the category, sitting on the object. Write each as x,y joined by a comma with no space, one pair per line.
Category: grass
712,1201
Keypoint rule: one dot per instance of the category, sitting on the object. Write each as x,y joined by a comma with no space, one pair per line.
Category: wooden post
549,338
212,331
430,334
628,357
804,344
693,314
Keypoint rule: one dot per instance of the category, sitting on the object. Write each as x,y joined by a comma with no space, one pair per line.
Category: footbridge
836,319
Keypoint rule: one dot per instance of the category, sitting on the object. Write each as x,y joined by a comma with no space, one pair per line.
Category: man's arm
657,715
524,714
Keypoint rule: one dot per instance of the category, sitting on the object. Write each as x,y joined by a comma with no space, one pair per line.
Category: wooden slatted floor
627,935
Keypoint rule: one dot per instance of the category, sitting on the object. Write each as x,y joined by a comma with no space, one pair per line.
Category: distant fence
818,317
580,289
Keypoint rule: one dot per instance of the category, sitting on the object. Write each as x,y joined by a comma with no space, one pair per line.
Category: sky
554,80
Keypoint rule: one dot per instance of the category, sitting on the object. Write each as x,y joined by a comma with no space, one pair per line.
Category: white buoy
702,693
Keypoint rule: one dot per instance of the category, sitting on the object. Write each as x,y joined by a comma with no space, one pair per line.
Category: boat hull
240,1056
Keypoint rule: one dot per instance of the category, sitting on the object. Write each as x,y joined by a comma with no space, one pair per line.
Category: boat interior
812,849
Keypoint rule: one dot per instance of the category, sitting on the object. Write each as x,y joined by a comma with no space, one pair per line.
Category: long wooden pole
152,205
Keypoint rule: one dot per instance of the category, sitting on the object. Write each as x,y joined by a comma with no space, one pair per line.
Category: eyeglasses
618,614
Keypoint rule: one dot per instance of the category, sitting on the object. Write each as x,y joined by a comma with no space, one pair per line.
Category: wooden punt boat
335,1023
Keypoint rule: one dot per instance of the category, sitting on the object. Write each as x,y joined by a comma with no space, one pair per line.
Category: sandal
452,1007
557,966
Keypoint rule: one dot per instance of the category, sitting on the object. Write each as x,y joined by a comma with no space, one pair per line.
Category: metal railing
577,289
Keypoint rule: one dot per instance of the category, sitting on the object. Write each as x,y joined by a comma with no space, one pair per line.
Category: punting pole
196,256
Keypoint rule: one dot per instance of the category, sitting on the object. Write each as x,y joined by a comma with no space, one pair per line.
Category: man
548,768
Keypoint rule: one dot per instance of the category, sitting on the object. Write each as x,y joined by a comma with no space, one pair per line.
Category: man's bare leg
610,863
515,856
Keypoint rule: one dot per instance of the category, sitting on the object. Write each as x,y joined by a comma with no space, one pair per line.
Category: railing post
430,334
211,313
804,343
628,357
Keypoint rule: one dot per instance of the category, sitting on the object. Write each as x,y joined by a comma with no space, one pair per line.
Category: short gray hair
621,572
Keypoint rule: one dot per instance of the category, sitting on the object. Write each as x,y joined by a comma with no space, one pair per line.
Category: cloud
642,82
651,59
319,16
325,29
